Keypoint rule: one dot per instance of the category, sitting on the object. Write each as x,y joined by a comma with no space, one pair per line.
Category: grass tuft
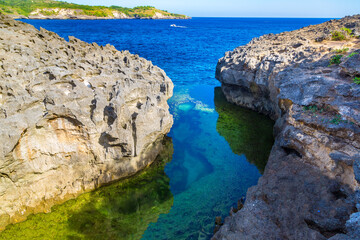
341,50
356,80
335,60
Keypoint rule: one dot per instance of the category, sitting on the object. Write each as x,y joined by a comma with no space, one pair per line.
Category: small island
51,9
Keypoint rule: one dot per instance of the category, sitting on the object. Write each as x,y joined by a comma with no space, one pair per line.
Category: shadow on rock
293,200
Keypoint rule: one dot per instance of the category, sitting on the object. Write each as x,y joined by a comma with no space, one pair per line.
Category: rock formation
310,188
73,117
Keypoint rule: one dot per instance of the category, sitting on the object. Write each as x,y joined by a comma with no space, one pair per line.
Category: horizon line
260,17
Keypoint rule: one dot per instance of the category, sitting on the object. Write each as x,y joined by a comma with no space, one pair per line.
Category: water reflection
247,132
122,210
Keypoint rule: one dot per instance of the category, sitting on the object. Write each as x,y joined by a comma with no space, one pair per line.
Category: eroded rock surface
310,188
73,116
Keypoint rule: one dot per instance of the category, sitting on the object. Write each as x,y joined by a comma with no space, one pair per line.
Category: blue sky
244,8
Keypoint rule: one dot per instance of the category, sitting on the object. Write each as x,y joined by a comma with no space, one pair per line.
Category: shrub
47,13
143,8
347,30
96,13
342,50
353,54
336,120
356,80
337,36
335,60
313,109
8,11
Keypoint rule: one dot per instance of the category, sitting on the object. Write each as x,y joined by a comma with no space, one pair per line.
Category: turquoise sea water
209,172
219,150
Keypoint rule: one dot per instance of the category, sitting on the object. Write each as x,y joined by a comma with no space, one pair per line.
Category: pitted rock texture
73,116
310,187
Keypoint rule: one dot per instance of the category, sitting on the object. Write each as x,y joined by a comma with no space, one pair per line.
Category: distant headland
51,9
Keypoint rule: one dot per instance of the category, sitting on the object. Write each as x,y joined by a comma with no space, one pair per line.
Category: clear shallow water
219,149
209,171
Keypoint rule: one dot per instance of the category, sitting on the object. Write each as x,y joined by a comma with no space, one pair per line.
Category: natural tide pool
200,175
216,150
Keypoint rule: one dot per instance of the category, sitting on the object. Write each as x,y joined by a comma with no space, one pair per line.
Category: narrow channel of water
220,151
217,150
215,153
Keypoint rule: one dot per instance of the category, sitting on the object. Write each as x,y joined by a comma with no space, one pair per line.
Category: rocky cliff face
73,117
310,188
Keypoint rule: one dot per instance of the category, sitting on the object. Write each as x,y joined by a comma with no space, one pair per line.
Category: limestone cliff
310,188
73,116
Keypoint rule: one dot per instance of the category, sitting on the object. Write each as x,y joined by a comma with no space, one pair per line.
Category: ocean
220,150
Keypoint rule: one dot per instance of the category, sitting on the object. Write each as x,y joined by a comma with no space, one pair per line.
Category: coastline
98,18
310,188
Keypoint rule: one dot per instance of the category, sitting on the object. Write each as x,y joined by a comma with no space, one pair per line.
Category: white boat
174,25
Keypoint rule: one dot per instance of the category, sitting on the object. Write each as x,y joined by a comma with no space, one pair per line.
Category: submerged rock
310,184
73,117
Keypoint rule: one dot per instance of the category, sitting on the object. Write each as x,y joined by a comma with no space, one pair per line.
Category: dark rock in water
218,224
240,205
310,186
216,229
218,221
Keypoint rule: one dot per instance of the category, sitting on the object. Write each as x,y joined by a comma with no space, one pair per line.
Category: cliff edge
308,81
73,116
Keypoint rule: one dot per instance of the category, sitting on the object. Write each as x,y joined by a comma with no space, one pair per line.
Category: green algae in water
246,131
122,210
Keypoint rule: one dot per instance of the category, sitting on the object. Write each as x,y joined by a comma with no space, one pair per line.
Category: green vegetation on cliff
356,80
46,8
